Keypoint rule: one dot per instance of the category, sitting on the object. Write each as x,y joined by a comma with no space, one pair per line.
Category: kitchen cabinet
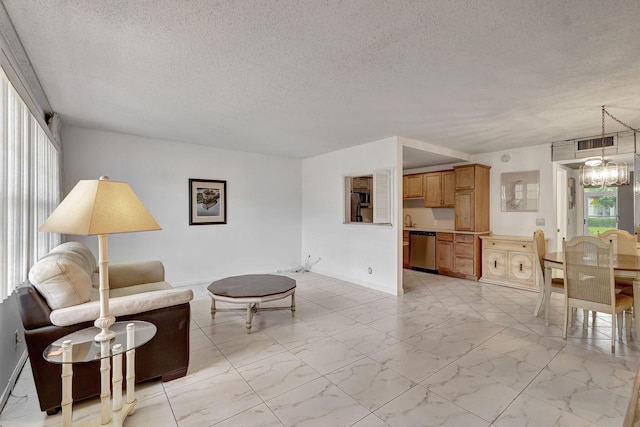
465,255
444,253
465,177
459,255
464,214
449,189
439,189
412,186
405,249
509,261
472,197
362,183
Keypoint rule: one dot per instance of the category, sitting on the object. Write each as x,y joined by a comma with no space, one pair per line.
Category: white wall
523,159
348,250
263,230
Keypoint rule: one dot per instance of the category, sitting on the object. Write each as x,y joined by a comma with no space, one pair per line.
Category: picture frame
520,191
207,201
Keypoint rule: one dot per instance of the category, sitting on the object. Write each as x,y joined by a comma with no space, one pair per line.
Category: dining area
598,274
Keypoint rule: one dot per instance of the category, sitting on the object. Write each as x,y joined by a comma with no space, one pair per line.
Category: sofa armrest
33,309
121,306
135,273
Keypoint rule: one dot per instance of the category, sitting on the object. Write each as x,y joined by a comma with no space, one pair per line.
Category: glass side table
80,347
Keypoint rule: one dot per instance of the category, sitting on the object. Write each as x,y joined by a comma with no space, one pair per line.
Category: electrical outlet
540,222
370,270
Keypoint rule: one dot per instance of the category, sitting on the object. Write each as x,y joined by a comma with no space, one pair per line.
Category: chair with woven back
590,284
623,243
539,251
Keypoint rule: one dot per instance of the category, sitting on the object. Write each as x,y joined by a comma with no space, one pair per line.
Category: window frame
30,186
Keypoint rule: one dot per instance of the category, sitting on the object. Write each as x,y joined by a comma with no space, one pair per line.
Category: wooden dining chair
590,285
539,251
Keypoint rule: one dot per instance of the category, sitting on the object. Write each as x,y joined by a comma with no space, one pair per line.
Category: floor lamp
101,207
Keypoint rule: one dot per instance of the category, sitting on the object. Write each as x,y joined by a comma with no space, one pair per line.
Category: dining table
624,266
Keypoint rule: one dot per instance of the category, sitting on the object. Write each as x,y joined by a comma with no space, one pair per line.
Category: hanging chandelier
600,173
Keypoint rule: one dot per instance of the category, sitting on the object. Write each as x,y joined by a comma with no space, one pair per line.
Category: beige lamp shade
101,206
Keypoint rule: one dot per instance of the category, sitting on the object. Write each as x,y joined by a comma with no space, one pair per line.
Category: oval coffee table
252,289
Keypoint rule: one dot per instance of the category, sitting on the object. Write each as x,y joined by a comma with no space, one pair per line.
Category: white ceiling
301,78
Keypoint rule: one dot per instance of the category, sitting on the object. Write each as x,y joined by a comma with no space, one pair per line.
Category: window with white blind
29,188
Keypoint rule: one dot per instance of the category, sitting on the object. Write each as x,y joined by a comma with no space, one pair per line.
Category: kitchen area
445,212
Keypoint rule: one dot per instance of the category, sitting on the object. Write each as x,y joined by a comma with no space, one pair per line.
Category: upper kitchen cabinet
412,186
472,197
439,189
361,183
465,177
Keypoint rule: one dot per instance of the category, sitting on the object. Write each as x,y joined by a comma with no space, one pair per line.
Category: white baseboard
12,380
370,285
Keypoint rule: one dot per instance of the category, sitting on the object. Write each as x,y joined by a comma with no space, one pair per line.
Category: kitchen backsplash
440,218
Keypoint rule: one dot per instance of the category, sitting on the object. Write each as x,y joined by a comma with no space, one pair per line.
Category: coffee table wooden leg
293,304
251,308
213,307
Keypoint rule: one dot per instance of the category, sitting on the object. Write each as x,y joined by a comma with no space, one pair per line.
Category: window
368,198
600,210
29,188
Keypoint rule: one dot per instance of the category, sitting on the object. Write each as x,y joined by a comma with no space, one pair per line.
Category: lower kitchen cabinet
508,260
458,255
444,253
465,261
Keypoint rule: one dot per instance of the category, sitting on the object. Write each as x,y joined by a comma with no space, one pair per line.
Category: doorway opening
601,211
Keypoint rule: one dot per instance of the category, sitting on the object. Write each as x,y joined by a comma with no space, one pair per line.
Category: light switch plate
540,222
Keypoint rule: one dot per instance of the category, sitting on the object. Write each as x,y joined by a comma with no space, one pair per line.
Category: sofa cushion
121,306
63,276
138,289
123,275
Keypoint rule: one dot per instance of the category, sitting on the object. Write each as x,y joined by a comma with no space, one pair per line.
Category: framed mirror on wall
520,191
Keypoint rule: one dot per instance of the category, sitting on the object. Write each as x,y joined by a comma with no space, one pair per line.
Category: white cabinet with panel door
508,260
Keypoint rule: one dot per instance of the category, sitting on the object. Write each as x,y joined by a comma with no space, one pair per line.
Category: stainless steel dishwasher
422,252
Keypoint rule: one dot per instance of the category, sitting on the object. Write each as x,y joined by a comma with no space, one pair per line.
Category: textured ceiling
300,78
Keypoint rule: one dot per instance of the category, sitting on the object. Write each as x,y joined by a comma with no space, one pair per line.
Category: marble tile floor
449,352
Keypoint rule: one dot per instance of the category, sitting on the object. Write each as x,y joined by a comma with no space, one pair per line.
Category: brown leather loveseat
57,302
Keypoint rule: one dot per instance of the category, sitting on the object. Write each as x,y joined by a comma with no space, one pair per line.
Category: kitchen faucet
408,223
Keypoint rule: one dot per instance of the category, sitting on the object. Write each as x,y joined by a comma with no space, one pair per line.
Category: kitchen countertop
444,230
514,238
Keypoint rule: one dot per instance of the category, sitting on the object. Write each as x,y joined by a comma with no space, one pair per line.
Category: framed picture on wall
207,201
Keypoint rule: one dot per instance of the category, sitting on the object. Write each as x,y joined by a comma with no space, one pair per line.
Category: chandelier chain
604,110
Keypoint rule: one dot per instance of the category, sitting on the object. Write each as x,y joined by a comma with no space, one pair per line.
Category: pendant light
600,173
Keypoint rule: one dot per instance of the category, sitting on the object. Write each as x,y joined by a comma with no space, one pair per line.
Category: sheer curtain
29,188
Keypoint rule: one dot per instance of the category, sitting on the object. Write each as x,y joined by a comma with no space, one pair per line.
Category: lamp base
104,323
